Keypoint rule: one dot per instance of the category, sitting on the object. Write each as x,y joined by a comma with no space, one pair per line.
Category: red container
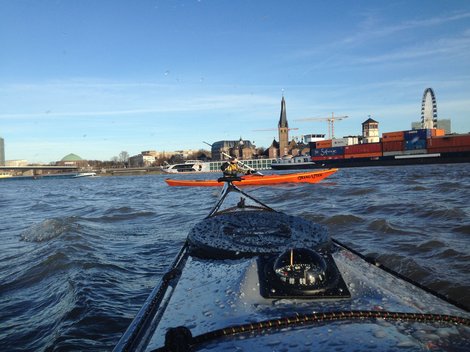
327,143
393,146
448,149
363,155
363,148
393,136
462,140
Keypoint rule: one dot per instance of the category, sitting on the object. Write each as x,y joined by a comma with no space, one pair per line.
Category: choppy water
78,257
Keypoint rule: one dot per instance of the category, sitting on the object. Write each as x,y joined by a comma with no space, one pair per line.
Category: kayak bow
250,278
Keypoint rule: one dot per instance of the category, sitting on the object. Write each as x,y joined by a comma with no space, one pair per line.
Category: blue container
423,133
328,151
415,144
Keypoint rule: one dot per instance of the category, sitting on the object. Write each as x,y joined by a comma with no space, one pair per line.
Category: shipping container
393,146
436,132
362,155
328,151
462,140
415,144
363,148
329,157
422,133
339,142
448,149
342,142
393,136
327,143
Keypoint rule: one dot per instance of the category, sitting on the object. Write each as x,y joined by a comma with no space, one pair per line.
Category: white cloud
376,29
95,99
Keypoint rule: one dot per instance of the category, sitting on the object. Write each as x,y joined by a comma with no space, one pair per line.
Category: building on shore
370,131
148,158
242,149
283,130
144,159
20,162
72,160
284,146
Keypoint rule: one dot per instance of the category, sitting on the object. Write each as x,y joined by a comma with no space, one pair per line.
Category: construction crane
331,122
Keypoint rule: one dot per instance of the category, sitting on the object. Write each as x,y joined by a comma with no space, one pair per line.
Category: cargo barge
421,146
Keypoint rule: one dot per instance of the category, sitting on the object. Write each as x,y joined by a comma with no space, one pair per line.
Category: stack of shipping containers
369,150
393,143
449,144
412,142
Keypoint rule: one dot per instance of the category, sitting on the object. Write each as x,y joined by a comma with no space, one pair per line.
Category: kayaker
232,169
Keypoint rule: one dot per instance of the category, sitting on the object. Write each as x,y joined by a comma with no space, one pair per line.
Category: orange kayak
258,180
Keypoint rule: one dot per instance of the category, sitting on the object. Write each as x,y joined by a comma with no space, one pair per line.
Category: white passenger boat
85,174
250,278
187,166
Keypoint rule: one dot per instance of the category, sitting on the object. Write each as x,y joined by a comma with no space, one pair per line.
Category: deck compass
301,267
300,273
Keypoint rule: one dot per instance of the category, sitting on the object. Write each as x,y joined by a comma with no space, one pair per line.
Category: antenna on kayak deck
230,187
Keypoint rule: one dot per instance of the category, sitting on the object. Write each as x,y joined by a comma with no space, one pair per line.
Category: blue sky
96,78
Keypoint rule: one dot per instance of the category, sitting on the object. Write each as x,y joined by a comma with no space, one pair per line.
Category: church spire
283,118
283,129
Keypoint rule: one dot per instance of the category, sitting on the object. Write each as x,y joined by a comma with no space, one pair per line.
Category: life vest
232,169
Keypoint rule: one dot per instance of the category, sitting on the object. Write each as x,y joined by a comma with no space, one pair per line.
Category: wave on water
418,188
76,271
49,229
343,219
449,186
384,226
465,229
444,213
358,191
122,213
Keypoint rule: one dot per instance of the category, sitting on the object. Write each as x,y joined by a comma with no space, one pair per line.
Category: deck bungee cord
180,339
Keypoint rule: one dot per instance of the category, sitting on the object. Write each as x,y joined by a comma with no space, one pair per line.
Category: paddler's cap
233,160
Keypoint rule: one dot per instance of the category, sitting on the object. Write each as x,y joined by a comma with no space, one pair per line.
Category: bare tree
124,157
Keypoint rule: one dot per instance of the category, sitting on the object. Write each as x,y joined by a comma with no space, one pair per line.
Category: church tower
283,129
370,131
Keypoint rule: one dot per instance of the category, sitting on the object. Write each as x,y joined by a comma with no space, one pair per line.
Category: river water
78,257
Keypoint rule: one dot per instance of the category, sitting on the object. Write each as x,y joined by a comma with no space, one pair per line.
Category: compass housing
301,267
300,273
